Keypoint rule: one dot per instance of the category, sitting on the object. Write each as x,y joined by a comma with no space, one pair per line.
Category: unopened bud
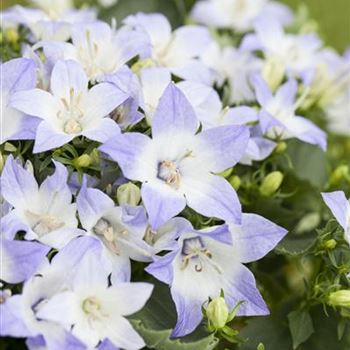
95,156
226,173
330,244
83,161
271,183
341,172
128,194
11,35
235,182
340,298
281,147
217,313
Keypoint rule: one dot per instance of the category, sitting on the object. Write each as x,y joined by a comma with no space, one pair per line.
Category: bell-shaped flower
119,229
340,208
70,109
46,212
178,166
206,262
178,51
93,311
16,75
277,115
239,15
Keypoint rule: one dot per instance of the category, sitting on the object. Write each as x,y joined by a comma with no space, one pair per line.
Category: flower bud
341,172
281,147
11,35
83,161
340,298
330,244
271,183
273,72
235,182
128,194
217,313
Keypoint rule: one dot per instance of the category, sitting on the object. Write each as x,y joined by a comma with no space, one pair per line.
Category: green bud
261,346
128,194
11,35
271,183
83,161
95,156
235,182
217,313
281,147
340,298
341,172
226,173
330,244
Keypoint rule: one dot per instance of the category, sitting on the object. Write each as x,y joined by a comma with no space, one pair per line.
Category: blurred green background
333,16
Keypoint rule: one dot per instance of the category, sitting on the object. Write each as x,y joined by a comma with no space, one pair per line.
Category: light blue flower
177,166
70,109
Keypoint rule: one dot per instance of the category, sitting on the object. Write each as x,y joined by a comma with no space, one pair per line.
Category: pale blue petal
47,138
339,206
213,196
162,203
242,287
20,259
255,237
92,205
222,147
174,113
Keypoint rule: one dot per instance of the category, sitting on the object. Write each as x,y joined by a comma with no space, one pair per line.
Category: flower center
168,172
72,126
42,224
109,234
71,113
92,308
150,236
193,249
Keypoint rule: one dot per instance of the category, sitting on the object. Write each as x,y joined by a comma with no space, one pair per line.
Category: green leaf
123,8
301,326
309,162
156,320
271,331
296,245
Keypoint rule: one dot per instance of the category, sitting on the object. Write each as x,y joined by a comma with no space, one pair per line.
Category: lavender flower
204,262
71,109
176,166
45,213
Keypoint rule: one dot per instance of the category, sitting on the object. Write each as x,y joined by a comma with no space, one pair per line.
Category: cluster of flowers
207,107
